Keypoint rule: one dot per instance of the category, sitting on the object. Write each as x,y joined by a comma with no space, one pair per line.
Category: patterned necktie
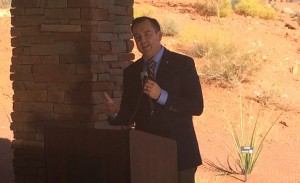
150,69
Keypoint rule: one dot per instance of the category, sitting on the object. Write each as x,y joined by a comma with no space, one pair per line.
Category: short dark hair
139,20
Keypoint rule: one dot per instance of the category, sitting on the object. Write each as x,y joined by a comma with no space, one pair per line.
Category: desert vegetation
224,62
5,4
251,84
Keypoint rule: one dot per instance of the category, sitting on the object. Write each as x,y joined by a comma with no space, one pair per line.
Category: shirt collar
158,56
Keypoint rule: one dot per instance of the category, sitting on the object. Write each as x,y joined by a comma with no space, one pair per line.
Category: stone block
99,68
72,109
18,51
60,48
36,146
60,28
15,68
118,10
36,59
106,27
29,127
51,73
116,72
34,11
126,56
18,85
104,37
122,29
129,45
82,78
24,136
72,59
31,31
77,97
83,68
124,2
56,96
130,11
57,86
100,47
123,20
17,106
21,117
88,3
30,96
71,120
26,68
110,58
44,116
71,36
117,93
63,13
17,11
30,85
57,4
27,21
94,14
37,107
42,39
89,28
16,126
98,86
26,3
125,36
17,144
21,77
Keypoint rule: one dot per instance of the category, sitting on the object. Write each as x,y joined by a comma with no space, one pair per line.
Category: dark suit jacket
176,75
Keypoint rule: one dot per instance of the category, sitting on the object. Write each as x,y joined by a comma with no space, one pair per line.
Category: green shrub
143,10
298,17
223,63
169,26
251,133
220,8
255,8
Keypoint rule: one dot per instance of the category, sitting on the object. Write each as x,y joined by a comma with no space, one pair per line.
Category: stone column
66,53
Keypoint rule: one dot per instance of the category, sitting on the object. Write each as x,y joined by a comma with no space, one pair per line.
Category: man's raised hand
111,107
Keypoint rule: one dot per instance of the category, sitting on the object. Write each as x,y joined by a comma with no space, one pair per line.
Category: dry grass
4,4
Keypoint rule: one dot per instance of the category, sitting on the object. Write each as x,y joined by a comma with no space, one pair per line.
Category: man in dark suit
161,101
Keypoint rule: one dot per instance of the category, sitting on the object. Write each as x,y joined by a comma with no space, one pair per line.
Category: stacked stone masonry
65,54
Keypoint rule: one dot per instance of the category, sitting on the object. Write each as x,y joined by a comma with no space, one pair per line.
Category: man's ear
159,35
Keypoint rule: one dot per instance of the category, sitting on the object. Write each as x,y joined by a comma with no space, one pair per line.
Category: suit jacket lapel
163,64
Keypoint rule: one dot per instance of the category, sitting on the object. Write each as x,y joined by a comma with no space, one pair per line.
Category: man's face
147,39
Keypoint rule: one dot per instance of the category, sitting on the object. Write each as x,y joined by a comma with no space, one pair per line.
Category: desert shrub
298,17
255,8
220,8
169,26
143,10
249,132
5,4
273,95
223,62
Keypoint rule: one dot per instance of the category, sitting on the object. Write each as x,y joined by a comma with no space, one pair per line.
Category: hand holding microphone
152,89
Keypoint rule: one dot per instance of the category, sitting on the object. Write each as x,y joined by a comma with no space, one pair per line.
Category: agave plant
255,139
244,136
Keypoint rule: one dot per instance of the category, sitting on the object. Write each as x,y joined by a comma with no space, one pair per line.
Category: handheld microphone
145,77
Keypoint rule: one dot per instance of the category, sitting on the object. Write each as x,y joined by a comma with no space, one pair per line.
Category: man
162,104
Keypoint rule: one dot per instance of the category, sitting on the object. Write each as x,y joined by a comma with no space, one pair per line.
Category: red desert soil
279,161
